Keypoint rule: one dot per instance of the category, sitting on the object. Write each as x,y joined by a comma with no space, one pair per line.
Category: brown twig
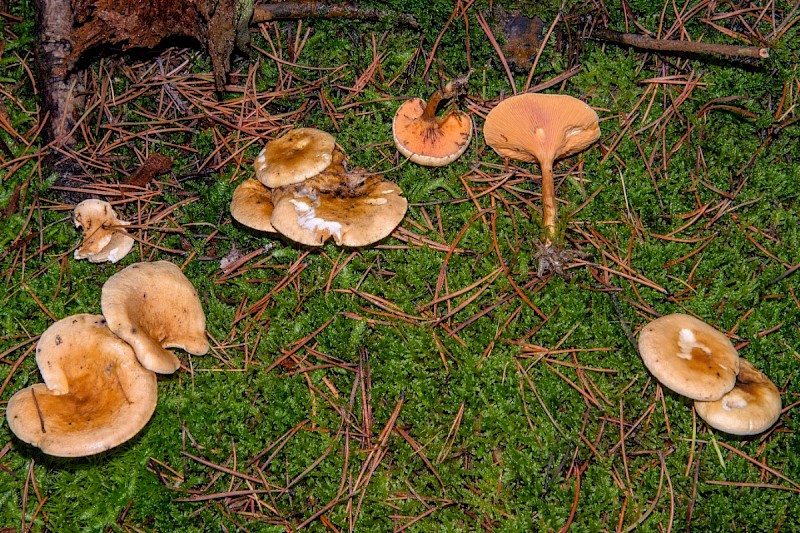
667,45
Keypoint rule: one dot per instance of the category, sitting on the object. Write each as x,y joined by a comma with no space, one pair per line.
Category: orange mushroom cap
431,142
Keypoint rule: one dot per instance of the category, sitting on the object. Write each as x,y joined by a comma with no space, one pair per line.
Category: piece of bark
155,165
129,25
692,47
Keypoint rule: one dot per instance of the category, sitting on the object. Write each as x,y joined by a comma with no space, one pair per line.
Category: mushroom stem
549,206
429,114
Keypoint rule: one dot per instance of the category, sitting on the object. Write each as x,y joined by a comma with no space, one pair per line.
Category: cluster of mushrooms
99,371
695,360
303,191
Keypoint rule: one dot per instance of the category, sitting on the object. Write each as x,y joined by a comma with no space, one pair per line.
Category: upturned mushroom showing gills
689,357
152,307
297,156
104,237
751,407
353,208
542,128
426,139
95,393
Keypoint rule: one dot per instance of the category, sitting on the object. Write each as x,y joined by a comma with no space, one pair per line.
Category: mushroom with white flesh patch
95,394
152,307
353,208
751,407
543,128
426,139
689,356
296,156
104,237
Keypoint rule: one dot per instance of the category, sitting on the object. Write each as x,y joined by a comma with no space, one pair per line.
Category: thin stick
666,45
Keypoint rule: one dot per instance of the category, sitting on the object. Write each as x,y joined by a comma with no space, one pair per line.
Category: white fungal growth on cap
688,342
307,218
733,401
376,201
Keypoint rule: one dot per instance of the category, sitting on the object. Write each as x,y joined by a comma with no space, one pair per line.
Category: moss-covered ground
432,382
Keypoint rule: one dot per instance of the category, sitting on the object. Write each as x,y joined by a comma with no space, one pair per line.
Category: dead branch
691,47
302,9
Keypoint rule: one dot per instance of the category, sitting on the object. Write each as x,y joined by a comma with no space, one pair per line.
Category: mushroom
355,208
297,156
153,306
689,356
543,128
751,407
426,139
104,237
252,205
95,393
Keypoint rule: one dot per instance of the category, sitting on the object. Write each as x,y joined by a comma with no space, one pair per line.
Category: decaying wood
692,47
301,9
57,84
213,23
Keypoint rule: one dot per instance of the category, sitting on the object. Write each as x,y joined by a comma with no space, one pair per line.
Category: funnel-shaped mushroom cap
95,394
751,407
103,237
153,306
354,208
430,142
252,205
689,356
295,157
540,127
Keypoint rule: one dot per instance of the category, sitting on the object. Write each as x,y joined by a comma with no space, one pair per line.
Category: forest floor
434,381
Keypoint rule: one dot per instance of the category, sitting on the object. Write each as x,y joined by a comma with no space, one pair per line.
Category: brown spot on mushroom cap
158,302
540,127
430,142
355,209
295,157
96,395
751,407
689,357
104,238
252,205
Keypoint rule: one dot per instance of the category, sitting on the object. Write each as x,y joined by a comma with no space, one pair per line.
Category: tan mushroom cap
295,157
540,127
153,306
252,205
95,394
353,208
430,142
103,238
689,356
752,407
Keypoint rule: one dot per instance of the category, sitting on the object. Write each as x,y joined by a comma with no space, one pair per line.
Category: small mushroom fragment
689,356
426,139
252,205
95,393
104,238
543,128
752,407
153,306
356,209
297,156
